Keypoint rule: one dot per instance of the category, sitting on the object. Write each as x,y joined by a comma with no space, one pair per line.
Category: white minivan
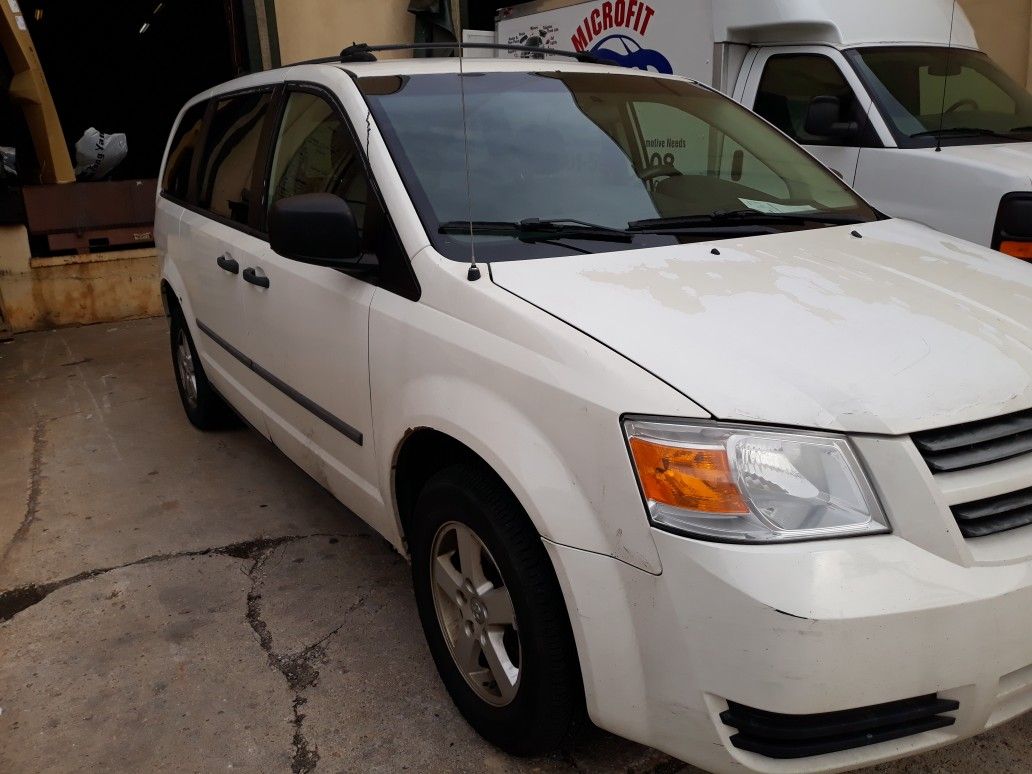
895,97
719,457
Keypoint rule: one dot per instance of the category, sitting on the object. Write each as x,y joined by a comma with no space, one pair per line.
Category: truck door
813,96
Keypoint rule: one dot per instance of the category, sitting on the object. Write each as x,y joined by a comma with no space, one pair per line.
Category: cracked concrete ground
175,601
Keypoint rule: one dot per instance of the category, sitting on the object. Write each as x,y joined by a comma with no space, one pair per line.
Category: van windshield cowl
644,161
982,104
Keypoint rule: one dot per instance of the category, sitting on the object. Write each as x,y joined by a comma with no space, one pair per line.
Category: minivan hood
904,329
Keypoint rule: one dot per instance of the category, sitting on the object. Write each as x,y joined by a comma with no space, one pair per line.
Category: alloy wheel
475,614
185,365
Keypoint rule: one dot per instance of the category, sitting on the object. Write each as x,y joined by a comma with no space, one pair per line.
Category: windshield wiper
964,131
1021,129
537,230
740,217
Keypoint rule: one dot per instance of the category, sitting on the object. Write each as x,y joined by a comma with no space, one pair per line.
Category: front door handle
228,264
255,278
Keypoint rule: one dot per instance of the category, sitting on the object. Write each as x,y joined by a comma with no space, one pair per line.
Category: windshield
982,104
606,150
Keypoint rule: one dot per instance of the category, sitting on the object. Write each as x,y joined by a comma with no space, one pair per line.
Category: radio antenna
945,81
474,270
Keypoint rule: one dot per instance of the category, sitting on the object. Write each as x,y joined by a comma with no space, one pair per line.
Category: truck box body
665,36
706,40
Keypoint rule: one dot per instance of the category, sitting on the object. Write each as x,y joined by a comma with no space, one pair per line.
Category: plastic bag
98,154
8,162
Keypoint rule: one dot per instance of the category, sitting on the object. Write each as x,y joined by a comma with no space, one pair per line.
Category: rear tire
493,613
204,407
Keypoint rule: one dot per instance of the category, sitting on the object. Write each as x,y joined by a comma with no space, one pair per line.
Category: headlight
751,485
1013,234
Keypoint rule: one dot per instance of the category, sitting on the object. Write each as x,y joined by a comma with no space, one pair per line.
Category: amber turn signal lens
694,479
1022,250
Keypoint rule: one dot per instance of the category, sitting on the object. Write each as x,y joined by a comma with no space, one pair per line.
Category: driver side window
790,84
315,153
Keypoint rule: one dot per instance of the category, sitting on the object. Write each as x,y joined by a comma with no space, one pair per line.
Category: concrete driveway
175,601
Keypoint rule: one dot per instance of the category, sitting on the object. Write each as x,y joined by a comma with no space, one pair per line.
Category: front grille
774,735
976,443
995,514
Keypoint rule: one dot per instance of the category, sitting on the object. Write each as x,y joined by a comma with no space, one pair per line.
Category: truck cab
926,127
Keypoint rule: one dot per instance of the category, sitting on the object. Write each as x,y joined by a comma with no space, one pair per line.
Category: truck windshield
982,104
574,162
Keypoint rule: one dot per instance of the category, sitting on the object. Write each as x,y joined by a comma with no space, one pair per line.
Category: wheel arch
422,453
168,297
560,486
173,290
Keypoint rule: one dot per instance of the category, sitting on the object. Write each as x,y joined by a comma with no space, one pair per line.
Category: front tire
203,406
493,613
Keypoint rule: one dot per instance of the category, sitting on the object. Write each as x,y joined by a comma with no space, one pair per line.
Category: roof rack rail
363,52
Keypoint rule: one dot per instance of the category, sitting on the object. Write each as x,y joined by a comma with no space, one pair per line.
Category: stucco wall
315,28
1004,29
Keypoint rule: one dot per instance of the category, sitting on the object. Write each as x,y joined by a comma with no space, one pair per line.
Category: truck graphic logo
629,14
624,51
538,36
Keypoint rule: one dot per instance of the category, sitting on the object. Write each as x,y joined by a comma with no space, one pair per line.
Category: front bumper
795,629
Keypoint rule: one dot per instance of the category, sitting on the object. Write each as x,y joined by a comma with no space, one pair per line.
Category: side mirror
822,120
319,229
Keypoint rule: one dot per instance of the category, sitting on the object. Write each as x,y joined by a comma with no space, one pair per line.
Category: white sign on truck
895,97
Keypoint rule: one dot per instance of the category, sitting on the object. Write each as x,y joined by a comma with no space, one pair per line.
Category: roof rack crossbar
363,52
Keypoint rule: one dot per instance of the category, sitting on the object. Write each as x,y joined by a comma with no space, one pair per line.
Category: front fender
564,508
538,400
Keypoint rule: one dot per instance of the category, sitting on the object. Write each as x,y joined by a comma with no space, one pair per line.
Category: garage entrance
119,67
129,65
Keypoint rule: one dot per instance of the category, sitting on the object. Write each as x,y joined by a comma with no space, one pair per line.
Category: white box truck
895,97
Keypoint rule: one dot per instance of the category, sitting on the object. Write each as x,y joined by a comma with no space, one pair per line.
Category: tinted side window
789,85
229,155
315,153
181,154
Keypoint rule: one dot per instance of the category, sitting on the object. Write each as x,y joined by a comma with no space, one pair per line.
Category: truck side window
680,148
315,153
791,82
738,163
672,136
227,168
176,182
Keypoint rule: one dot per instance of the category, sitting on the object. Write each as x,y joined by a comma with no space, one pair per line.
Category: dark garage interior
128,66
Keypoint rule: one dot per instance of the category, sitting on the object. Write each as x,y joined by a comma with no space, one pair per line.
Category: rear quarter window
231,149
176,181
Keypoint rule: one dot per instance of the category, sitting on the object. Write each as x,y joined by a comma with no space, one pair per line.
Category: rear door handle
255,278
228,264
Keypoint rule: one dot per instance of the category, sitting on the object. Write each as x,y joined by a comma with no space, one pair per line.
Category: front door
782,86
311,322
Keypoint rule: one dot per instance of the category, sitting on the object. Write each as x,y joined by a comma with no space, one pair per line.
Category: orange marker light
1022,250
693,479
